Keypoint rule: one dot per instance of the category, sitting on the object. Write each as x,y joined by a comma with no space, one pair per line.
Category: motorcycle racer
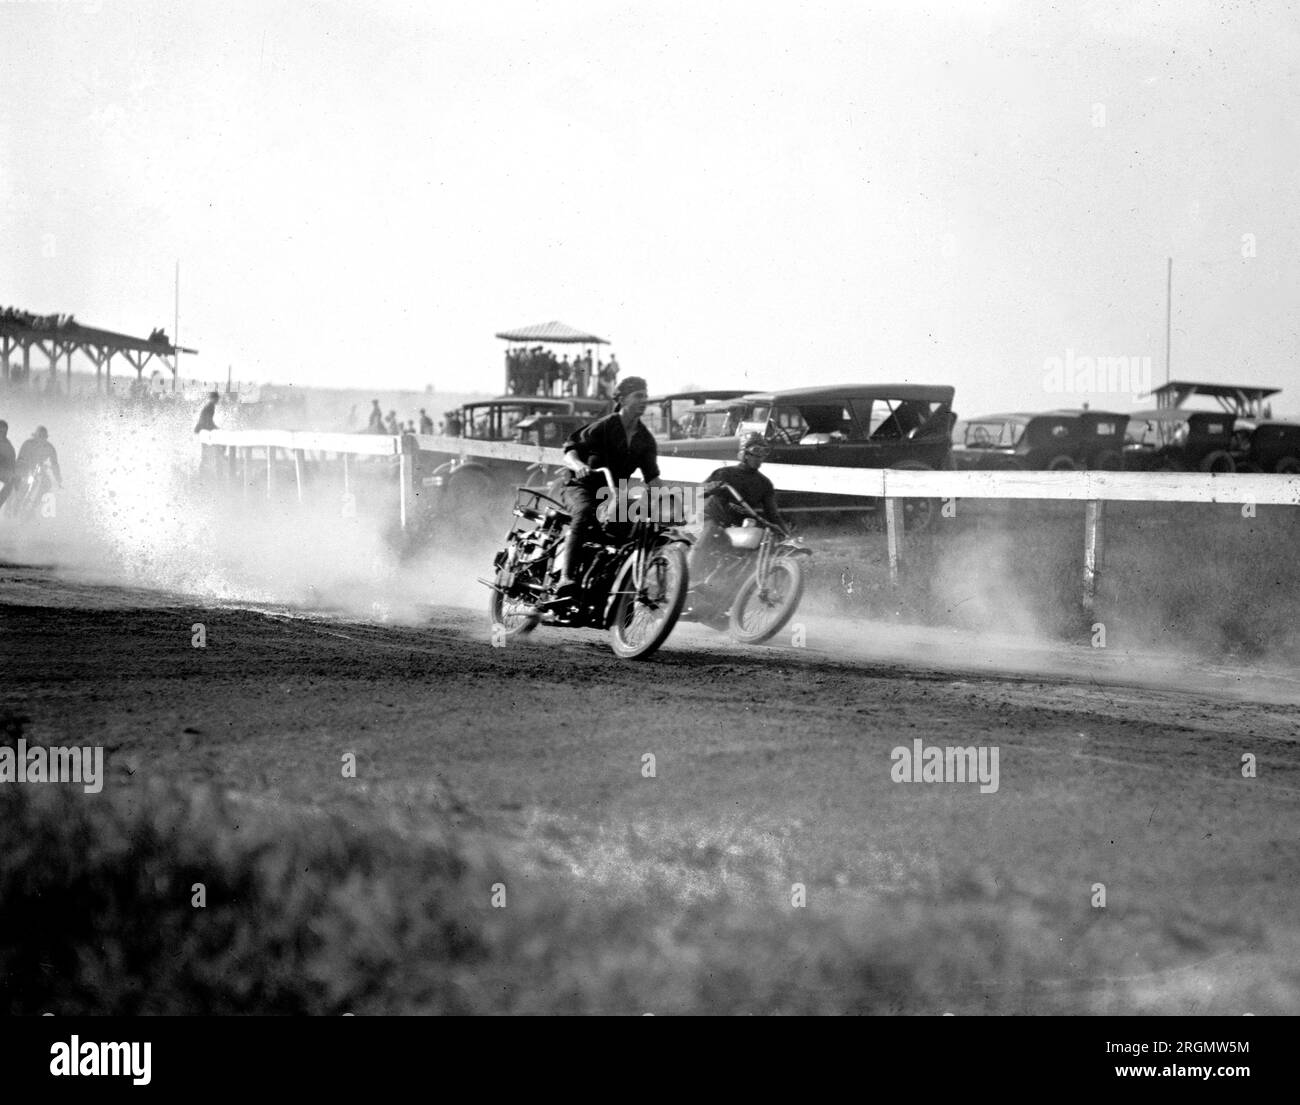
8,464
35,451
720,510
619,442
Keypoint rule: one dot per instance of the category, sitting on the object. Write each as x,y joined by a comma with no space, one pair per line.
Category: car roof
1079,412
562,405
839,392
703,395
1177,414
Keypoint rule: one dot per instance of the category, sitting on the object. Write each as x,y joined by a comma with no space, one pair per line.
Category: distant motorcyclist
35,451
720,509
8,464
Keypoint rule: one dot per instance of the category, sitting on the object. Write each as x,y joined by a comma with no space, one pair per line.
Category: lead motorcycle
757,585
632,582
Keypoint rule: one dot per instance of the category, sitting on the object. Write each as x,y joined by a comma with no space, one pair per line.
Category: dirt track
780,753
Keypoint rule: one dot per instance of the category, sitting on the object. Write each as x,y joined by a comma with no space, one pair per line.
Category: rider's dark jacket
754,487
604,444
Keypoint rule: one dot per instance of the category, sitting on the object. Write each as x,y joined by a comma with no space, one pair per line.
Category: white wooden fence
889,484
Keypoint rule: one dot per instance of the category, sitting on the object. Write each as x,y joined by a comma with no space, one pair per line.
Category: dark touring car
1052,441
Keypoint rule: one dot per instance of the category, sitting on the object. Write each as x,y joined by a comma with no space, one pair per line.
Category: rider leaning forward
720,509
618,442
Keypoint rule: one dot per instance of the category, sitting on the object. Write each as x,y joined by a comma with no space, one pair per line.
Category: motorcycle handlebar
740,501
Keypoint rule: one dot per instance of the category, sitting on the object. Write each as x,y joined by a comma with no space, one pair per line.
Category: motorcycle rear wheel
641,622
515,617
757,616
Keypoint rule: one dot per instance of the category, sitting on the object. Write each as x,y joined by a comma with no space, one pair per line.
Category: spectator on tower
390,424
376,423
426,423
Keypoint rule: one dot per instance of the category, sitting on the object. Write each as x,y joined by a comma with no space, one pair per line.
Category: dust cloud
1000,585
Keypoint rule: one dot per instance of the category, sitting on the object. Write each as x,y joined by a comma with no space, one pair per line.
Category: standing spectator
565,374
207,419
453,424
426,423
390,424
376,423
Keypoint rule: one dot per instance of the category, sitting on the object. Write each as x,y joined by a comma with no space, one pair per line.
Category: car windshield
494,421
708,421
987,434
1155,433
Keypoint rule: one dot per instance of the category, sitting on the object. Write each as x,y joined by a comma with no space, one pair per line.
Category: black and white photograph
641,508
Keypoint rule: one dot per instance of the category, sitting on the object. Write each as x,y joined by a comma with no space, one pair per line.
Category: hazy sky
763,194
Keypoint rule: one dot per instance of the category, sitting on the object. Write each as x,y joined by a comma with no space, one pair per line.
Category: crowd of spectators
14,318
537,371
379,423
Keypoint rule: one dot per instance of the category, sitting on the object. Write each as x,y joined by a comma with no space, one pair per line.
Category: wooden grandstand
57,337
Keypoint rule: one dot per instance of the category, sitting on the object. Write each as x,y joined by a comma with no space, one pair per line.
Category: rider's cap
754,442
628,385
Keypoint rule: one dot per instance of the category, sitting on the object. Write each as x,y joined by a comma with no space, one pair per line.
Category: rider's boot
564,586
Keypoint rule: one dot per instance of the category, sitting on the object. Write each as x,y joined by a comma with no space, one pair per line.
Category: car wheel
1218,461
1062,463
1287,466
1108,460
1169,464
1248,468
918,514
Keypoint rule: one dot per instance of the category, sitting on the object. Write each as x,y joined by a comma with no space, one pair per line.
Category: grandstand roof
551,332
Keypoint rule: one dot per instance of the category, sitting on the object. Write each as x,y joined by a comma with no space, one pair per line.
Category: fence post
1094,541
403,478
892,531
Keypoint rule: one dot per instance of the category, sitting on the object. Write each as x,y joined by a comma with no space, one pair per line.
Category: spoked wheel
643,619
515,616
759,613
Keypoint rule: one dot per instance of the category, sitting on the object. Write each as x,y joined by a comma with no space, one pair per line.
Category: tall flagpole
176,330
1169,312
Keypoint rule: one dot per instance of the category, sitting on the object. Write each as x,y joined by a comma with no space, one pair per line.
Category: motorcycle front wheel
643,619
758,613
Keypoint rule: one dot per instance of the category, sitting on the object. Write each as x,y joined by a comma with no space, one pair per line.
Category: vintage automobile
1269,446
469,487
843,426
1053,441
1175,440
671,416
